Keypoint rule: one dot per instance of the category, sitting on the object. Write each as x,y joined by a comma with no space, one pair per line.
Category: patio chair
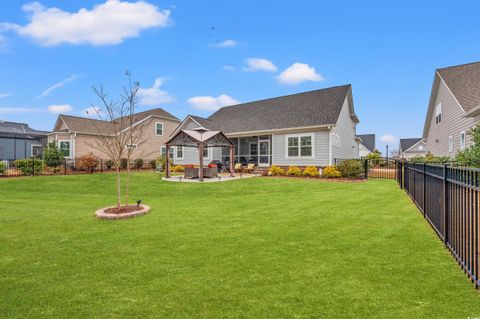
191,172
210,171
238,167
250,168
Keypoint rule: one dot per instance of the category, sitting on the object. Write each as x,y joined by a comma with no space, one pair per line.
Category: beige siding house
412,147
310,128
454,108
78,136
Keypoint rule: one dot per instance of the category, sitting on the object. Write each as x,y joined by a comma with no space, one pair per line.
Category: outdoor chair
210,171
238,167
191,172
250,168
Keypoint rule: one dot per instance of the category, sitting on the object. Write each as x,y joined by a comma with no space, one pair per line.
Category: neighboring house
411,147
18,141
77,136
453,109
311,128
367,144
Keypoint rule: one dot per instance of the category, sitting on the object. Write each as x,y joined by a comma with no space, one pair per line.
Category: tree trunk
119,198
127,180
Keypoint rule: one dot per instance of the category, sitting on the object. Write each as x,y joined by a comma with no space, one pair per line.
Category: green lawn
252,248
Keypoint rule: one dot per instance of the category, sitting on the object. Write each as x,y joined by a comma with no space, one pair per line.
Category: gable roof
368,140
94,126
464,82
407,143
308,109
12,129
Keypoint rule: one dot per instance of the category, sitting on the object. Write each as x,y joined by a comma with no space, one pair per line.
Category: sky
193,57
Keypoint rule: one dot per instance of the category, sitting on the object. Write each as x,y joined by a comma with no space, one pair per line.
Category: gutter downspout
330,146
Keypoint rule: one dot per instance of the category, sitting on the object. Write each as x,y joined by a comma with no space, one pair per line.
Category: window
205,152
462,140
450,143
300,146
36,150
438,114
420,147
253,149
179,151
64,148
159,129
163,151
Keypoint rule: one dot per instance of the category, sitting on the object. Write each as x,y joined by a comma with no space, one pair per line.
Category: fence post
64,166
446,237
33,166
101,165
424,188
365,167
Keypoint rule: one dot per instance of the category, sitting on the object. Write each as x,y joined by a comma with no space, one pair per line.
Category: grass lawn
253,248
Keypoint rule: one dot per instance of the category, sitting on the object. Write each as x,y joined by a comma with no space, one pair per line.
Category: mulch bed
344,180
123,209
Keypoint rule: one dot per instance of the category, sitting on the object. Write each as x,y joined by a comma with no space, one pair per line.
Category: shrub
178,169
162,162
274,170
374,158
138,163
26,166
52,155
294,171
153,164
123,163
87,162
109,164
351,168
331,172
3,167
311,171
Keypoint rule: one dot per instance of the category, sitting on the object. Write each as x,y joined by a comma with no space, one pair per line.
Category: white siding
363,151
190,156
452,124
344,131
320,155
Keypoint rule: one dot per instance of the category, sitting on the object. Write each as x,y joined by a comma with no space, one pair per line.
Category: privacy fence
448,198
31,167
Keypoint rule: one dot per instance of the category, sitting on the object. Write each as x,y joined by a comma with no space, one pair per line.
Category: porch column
232,159
167,165
200,157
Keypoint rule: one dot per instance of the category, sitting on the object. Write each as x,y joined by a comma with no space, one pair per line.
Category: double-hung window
64,147
159,129
438,114
163,151
180,152
450,143
205,152
300,146
462,140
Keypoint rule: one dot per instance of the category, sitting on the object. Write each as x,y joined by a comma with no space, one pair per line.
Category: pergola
200,138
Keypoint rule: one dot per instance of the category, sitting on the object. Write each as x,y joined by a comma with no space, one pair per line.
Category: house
311,128
453,109
19,141
411,147
77,136
367,144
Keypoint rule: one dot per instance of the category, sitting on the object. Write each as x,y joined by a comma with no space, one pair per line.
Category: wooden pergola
200,138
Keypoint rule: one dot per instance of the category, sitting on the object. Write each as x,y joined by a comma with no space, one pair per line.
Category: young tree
52,156
471,155
119,133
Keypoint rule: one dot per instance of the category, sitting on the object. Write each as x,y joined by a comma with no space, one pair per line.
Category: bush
87,162
3,167
162,162
52,155
123,163
351,168
153,164
331,172
294,171
109,164
374,158
26,166
179,169
311,171
274,170
138,163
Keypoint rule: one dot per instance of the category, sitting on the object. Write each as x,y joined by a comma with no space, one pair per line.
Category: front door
263,153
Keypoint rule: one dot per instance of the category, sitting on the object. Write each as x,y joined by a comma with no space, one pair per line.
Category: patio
222,177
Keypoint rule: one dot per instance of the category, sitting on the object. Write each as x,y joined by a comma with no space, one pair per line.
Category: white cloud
106,24
154,95
2,95
297,73
57,86
226,44
388,139
257,64
210,103
60,108
93,112
228,67
19,110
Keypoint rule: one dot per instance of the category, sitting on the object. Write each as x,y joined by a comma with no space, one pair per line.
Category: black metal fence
33,166
448,197
380,168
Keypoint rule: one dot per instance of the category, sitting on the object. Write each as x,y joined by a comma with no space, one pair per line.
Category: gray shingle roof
464,82
10,129
406,143
368,140
86,125
314,108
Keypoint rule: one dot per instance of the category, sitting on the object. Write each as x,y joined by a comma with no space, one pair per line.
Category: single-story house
411,147
310,128
367,144
78,136
454,108
19,141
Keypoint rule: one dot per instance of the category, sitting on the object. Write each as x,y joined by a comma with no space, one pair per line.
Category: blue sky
194,56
